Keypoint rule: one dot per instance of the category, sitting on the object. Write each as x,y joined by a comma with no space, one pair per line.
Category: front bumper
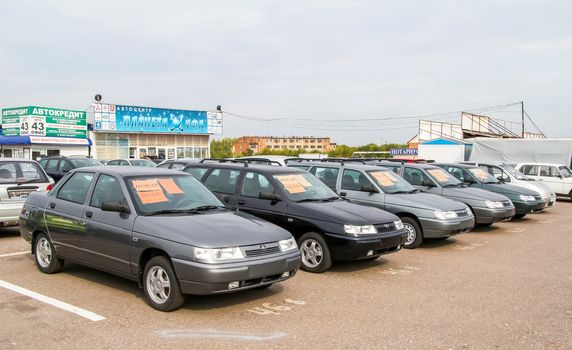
489,216
433,228
528,207
549,201
201,278
346,247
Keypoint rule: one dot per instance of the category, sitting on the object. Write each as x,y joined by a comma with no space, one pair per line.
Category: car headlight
444,215
288,244
218,254
360,230
526,198
492,205
399,224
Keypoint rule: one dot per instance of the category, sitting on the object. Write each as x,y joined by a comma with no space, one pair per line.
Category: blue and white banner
403,151
118,118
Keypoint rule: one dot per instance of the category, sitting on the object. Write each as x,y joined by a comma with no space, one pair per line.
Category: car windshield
171,194
302,187
390,182
565,171
80,163
21,172
482,176
143,162
517,174
443,178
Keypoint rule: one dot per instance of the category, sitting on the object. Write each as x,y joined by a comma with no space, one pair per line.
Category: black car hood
423,201
213,229
473,193
342,212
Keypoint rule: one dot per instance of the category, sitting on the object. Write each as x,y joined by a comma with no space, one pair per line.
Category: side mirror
369,188
269,196
427,183
115,206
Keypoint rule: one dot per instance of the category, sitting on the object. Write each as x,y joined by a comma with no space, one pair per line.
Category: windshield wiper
309,200
329,199
205,208
167,211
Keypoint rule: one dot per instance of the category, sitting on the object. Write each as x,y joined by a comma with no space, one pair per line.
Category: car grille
386,227
506,204
261,249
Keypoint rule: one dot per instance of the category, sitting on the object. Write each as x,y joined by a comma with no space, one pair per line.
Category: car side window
255,183
123,163
76,188
457,173
179,166
327,175
198,173
43,163
415,177
107,189
52,165
530,170
353,180
222,180
65,166
395,168
548,171
112,162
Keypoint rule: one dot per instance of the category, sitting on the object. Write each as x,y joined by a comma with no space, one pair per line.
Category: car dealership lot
506,286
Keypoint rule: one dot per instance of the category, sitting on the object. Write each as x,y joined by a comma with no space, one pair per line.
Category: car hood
473,193
423,201
509,190
213,229
536,186
342,212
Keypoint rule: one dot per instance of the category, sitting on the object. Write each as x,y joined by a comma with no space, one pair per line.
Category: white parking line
51,301
13,254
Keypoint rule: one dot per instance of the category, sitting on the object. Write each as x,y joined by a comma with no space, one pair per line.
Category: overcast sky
315,60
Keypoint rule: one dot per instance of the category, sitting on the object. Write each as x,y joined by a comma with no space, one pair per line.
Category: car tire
315,253
45,255
161,286
519,216
414,232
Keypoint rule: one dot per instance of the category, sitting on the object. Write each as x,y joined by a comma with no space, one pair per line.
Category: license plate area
19,194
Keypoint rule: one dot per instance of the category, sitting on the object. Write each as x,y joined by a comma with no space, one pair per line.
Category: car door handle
52,205
88,214
343,194
241,202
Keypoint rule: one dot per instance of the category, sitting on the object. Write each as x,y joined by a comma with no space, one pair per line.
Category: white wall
73,151
442,153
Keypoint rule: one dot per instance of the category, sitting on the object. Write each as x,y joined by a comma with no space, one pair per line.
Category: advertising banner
119,118
42,121
403,151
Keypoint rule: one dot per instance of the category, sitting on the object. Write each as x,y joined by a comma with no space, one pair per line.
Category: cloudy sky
303,67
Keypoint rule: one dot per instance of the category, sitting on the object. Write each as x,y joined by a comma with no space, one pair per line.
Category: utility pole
522,116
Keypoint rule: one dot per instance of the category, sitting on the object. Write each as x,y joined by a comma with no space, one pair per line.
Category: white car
508,174
19,177
556,176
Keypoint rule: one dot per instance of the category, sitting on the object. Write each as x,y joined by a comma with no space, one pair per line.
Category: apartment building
302,143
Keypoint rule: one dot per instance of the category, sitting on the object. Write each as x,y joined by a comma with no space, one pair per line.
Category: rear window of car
24,172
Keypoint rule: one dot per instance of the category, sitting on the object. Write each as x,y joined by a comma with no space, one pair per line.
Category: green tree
222,148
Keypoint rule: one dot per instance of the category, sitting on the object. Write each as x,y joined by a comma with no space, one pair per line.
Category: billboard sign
403,151
42,121
119,118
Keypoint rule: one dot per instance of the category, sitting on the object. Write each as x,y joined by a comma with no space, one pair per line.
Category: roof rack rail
258,159
225,160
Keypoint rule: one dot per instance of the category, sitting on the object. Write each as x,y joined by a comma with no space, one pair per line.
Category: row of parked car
217,226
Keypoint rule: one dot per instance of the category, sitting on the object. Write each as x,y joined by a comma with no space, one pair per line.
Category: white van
556,176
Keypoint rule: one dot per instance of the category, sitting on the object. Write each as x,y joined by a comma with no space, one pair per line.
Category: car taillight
50,186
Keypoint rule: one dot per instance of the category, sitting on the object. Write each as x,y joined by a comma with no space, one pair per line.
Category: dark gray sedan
159,227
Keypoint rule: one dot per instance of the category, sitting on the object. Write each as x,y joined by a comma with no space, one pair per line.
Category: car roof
533,163
16,160
130,171
262,168
354,165
465,166
421,165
